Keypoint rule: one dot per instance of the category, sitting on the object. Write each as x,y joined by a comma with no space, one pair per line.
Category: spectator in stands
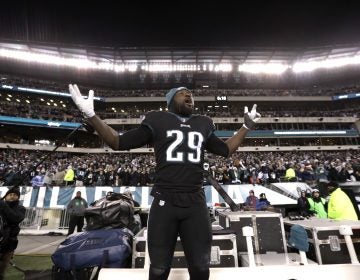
234,172
99,178
48,177
179,206
36,183
251,200
303,204
262,203
38,180
253,177
290,174
79,175
69,176
333,174
340,206
306,174
317,204
10,177
12,215
76,209
59,176
89,177
349,173
321,173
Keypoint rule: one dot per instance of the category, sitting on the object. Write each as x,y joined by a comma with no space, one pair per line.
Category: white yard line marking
37,249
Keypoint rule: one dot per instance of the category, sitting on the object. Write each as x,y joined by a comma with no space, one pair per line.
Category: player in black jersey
179,138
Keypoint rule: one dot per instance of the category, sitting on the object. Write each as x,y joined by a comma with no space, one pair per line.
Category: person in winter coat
317,204
69,176
12,214
262,203
303,204
251,200
76,209
340,206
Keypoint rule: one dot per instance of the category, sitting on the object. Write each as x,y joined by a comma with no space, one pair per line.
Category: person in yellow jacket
317,204
340,206
69,176
290,174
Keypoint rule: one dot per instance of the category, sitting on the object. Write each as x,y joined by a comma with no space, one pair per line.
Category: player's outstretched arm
86,106
250,120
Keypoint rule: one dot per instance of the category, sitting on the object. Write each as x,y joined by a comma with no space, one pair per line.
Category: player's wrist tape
246,127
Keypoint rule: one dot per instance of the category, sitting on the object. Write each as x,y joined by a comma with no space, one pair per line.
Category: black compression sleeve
217,146
135,138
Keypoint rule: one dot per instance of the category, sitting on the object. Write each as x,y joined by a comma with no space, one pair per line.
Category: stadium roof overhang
100,62
187,56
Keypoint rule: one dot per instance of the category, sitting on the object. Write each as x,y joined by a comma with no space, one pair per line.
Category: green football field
29,263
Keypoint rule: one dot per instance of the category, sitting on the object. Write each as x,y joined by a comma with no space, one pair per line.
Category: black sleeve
217,146
13,215
135,138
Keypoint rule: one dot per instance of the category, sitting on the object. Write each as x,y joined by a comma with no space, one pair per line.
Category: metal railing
45,218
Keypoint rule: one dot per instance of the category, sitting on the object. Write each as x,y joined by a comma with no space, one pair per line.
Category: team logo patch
185,125
161,202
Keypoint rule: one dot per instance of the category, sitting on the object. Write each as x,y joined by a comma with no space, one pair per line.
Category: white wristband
246,127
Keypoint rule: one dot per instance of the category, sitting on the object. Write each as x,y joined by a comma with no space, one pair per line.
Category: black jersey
179,145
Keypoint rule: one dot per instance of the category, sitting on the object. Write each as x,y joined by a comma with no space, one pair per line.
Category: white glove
250,119
86,106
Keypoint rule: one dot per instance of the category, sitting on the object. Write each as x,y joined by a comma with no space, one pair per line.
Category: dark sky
183,24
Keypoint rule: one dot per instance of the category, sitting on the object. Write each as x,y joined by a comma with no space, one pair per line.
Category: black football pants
193,226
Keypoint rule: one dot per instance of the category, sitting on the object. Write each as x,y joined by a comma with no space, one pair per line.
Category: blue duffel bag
102,247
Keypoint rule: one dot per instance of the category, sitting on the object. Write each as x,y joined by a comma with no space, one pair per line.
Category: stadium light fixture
80,62
182,67
311,65
168,67
266,68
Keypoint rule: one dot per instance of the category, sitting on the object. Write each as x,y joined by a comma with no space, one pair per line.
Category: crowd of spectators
131,169
38,109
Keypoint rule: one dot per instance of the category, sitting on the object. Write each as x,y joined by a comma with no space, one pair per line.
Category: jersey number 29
194,142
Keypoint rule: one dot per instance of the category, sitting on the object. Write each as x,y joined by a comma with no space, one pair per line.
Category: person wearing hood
76,209
251,200
179,138
317,204
262,203
303,204
12,214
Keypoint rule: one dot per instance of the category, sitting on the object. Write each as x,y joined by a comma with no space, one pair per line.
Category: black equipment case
326,244
268,227
223,250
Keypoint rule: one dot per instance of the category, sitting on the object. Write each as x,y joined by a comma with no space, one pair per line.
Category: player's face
184,103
